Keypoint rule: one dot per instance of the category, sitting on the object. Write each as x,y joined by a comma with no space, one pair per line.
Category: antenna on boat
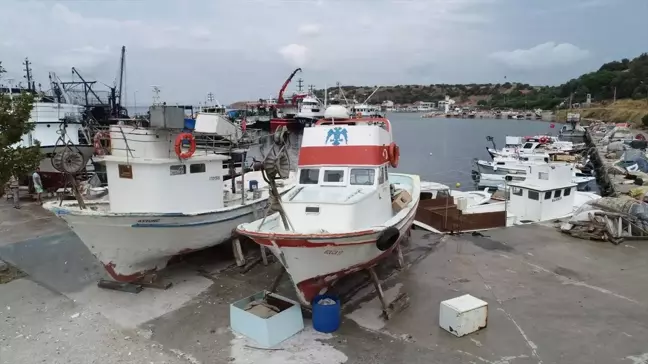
376,90
156,94
325,95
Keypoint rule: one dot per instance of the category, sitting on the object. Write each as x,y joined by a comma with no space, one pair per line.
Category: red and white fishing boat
347,212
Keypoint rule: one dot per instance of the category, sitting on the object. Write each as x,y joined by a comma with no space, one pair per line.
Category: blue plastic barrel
190,123
326,318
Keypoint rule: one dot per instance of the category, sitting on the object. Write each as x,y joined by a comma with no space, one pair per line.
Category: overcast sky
244,49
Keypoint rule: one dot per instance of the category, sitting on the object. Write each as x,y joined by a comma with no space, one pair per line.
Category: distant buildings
387,106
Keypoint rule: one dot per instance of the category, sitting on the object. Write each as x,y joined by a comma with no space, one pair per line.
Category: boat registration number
333,252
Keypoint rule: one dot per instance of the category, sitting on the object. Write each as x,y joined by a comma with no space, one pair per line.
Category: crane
280,99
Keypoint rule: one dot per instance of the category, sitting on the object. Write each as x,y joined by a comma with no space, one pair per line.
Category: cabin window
547,195
533,195
363,176
557,193
125,171
543,175
567,192
335,176
309,176
517,191
528,146
197,168
177,169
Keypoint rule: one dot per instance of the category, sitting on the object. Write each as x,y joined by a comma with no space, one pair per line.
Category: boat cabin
146,176
342,175
546,193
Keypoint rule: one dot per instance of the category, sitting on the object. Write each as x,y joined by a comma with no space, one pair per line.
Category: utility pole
300,85
614,98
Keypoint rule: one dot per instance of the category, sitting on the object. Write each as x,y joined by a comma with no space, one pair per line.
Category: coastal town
495,223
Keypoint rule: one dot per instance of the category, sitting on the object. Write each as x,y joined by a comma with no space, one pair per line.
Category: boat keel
147,281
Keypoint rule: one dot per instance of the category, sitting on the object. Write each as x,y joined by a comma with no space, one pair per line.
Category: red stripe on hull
313,286
362,155
304,243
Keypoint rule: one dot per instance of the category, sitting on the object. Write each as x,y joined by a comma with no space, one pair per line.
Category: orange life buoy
98,146
544,140
394,155
178,145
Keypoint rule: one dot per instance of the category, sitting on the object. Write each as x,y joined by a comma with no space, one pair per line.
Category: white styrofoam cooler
267,332
463,315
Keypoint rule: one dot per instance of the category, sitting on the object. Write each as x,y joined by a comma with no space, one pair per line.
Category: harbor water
441,149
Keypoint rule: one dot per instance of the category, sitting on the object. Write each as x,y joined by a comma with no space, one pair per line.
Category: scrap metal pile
614,219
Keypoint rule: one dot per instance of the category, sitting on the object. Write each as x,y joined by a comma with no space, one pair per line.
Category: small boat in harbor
309,110
325,230
546,193
162,201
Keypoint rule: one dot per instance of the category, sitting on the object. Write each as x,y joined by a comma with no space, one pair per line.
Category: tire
387,238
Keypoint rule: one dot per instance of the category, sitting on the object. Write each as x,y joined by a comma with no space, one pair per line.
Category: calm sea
442,149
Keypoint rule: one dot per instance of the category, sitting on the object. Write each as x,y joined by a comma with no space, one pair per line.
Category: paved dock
552,299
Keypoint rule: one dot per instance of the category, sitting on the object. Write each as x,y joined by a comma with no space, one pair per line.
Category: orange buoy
544,140
178,145
98,146
394,155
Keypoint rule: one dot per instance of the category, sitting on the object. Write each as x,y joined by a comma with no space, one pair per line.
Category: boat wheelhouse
343,173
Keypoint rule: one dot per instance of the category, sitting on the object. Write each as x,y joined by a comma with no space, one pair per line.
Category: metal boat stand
148,281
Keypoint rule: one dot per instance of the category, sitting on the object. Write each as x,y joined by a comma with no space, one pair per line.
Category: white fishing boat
546,193
497,181
347,212
162,201
472,197
539,144
510,164
309,110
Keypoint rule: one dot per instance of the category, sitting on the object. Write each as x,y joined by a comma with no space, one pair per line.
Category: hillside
628,77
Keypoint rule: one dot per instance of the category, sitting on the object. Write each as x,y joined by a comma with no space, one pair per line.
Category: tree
14,117
644,120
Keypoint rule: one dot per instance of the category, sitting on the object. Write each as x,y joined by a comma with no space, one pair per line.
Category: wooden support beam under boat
148,281
399,303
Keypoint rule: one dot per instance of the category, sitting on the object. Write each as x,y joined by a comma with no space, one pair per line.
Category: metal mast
121,74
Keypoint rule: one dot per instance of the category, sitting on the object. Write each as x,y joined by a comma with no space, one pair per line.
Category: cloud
309,30
546,55
295,54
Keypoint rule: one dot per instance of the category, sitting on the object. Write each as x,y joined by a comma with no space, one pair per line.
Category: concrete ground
552,299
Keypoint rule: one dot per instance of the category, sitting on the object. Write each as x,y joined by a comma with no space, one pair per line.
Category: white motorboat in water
347,213
161,202
497,181
309,110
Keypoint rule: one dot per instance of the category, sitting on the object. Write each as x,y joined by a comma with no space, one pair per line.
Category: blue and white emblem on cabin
336,135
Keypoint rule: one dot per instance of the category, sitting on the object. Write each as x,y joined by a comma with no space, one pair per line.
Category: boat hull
129,246
315,262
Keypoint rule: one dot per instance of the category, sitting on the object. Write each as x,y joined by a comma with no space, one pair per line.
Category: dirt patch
488,244
10,273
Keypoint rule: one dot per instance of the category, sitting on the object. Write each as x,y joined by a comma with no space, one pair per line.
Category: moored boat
161,202
546,193
347,212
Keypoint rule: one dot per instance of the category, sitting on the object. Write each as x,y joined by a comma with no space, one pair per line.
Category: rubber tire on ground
387,238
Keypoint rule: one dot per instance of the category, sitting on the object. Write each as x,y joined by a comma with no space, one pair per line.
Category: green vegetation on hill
628,77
